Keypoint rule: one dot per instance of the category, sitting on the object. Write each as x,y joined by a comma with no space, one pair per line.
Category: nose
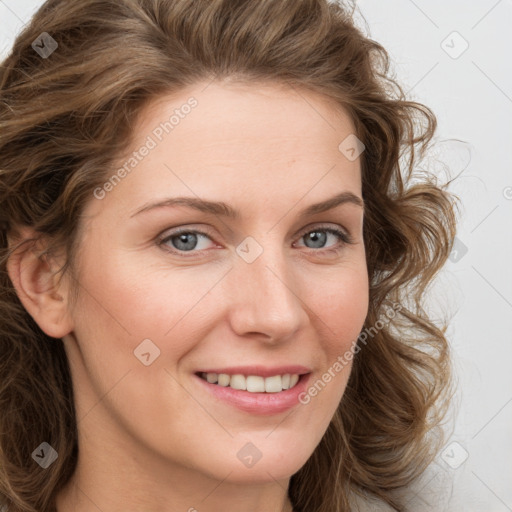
266,299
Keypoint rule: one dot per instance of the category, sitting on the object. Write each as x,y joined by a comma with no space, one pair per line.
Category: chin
259,463
262,472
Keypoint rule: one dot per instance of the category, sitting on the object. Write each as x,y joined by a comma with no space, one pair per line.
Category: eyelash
345,238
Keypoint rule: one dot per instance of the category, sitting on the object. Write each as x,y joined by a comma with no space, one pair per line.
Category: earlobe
40,291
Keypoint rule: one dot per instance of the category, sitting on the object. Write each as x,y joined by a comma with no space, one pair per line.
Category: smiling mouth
252,383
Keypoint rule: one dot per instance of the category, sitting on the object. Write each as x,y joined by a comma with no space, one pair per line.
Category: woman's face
172,294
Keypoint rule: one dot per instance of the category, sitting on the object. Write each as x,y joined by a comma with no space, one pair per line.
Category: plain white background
454,56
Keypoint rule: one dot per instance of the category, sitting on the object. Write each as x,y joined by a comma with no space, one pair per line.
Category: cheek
121,304
130,300
341,304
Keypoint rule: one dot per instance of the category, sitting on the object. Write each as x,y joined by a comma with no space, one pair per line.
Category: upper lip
263,371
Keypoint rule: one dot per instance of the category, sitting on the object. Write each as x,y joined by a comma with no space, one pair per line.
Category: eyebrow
224,210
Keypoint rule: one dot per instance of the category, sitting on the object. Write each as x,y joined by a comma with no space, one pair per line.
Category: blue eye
185,241
320,235
189,241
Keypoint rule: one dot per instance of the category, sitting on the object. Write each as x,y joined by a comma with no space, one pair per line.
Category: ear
42,293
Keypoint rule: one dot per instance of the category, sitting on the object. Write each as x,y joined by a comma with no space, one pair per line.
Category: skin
269,151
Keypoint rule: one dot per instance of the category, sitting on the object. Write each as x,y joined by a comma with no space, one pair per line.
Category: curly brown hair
64,120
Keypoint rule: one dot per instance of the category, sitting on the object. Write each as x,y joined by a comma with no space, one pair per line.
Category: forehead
252,144
258,107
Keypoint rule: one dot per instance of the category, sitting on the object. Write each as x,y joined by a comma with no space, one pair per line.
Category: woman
213,262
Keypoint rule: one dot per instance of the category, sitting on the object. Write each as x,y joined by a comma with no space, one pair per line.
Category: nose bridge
267,301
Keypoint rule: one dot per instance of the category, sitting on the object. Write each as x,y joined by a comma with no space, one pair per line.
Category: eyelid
328,227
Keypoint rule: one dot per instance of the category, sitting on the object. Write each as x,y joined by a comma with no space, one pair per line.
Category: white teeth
212,378
253,383
273,384
223,379
238,382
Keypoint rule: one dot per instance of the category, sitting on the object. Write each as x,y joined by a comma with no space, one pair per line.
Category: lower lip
258,403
